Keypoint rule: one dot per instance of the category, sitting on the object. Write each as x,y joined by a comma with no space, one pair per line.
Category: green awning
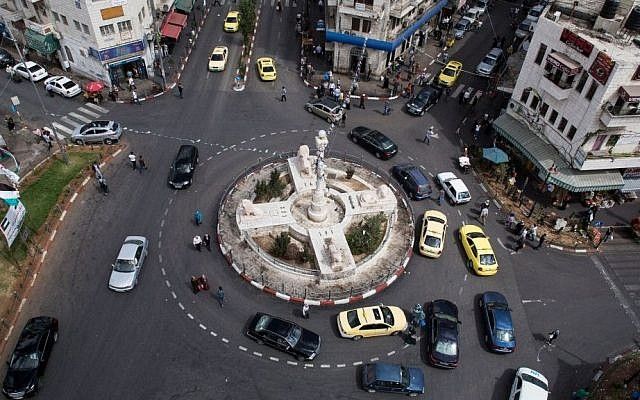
184,6
45,44
545,156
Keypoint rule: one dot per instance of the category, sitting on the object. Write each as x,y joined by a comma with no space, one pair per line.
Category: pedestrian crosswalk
64,125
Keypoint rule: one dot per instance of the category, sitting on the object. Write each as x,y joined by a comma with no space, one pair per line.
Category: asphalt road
162,342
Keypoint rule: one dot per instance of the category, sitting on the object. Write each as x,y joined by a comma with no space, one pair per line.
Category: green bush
267,190
367,235
306,255
281,245
248,19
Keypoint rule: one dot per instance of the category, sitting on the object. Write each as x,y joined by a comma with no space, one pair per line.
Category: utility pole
156,41
61,144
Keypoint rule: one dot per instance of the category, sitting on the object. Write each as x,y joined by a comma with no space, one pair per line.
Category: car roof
219,49
454,64
530,391
31,334
464,21
458,185
496,51
503,319
444,176
128,251
278,325
370,314
388,372
233,13
186,151
435,226
444,306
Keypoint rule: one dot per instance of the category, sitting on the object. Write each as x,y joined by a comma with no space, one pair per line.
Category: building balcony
8,13
359,10
43,29
617,117
605,159
556,88
401,8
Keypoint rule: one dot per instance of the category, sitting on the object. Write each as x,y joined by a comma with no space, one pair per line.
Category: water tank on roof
633,22
609,9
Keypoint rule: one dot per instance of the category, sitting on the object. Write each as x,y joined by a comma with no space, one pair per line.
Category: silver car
107,132
326,108
490,62
462,27
126,270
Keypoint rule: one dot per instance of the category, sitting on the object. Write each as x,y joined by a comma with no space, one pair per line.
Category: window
140,17
64,19
572,132
582,81
355,24
107,30
592,90
541,51
85,29
562,124
534,102
77,24
553,116
56,17
68,52
124,26
612,140
543,109
558,76
367,2
366,26
78,4
525,96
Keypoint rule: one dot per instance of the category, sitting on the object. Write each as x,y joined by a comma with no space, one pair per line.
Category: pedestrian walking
180,89
11,125
197,217
134,97
519,244
217,2
461,98
47,141
344,118
484,213
347,102
552,337
608,235
473,102
283,94
386,110
466,95
49,89
441,197
305,311
132,160
476,131
220,296
142,164
427,136
197,242
362,99
132,84
543,237
102,181
96,170
206,239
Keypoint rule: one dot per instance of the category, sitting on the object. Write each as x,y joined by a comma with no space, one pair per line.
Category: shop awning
545,156
631,185
630,94
184,6
171,31
175,18
563,62
45,44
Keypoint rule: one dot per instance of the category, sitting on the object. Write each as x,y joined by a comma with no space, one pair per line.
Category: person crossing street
283,94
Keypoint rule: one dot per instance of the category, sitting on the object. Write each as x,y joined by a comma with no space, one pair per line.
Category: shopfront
124,61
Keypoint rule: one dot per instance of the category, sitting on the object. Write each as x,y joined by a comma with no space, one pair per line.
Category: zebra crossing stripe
456,92
79,117
69,121
97,107
62,128
88,112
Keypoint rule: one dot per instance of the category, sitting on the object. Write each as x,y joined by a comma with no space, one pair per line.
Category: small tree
367,235
281,245
247,20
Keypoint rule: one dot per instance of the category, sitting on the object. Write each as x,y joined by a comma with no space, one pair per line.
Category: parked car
266,69
102,131
126,270
427,98
326,108
183,167
37,71
63,86
499,334
525,28
218,58
491,62
284,335
30,357
414,182
374,141
454,188
473,15
443,348
461,28
450,73
434,229
535,13
482,6
479,252
232,21
6,59
371,321
529,385
393,378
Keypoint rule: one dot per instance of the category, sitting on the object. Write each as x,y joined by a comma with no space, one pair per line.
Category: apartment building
574,109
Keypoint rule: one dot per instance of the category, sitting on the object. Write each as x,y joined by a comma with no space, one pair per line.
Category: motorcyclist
278,6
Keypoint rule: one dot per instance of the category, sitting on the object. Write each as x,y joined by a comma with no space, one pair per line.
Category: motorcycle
199,283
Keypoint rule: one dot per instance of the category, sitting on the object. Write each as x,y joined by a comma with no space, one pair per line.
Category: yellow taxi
218,58
266,69
476,245
450,73
371,321
434,227
232,22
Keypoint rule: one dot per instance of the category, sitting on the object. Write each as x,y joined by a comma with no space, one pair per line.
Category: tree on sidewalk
247,20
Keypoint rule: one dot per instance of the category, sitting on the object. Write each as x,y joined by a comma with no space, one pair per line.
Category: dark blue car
414,182
499,333
393,378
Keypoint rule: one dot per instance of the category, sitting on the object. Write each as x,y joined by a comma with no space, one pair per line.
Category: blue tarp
332,36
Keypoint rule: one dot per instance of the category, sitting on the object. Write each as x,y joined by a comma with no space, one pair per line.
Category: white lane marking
73,198
341,365
460,291
308,365
190,316
204,328
88,112
213,334
60,127
97,107
225,340
64,213
80,117
255,353
374,359
502,245
617,292
276,359
325,366
422,167
160,258
484,189
162,223
391,353
291,362
173,294
543,302
242,348
459,213
181,306
410,158
164,273
356,363
69,121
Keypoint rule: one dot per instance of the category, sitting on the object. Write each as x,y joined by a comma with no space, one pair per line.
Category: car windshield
217,57
423,96
384,141
464,195
294,335
446,347
460,27
183,168
24,361
446,317
232,19
487,259
535,381
405,377
523,26
68,85
449,72
489,61
474,235
534,13
124,266
34,68
267,68
503,335
432,241
352,318
436,219
387,315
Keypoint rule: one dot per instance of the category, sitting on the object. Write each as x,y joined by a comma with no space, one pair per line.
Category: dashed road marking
225,340
255,353
276,359
190,316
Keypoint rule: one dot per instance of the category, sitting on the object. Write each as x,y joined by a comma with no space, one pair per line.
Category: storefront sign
576,42
630,94
602,67
112,12
557,61
121,51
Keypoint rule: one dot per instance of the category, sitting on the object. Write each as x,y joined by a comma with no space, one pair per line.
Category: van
529,385
491,62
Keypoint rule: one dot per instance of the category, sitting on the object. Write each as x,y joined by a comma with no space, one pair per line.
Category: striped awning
45,44
631,185
546,158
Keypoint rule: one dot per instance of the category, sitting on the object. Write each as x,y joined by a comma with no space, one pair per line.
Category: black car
499,332
373,141
29,357
284,335
183,167
6,59
413,181
443,347
427,98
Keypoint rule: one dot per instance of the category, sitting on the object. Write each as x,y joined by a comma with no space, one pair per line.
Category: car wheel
470,264
79,142
395,333
354,139
378,154
421,113
55,337
309,109
330,120
480,303
357,337
300,358
108,141
486,339
371,390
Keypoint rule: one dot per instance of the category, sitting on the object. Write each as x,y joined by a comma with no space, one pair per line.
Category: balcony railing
613,116
556,88
558,82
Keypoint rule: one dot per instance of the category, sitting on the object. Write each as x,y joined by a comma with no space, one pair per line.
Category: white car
218,58
529,385
126,270
482,6
37,70
473,15
454,187
63,86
